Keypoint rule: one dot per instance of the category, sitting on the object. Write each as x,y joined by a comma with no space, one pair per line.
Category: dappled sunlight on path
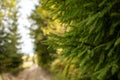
32,73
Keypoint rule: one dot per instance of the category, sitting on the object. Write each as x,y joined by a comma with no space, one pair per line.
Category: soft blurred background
59,40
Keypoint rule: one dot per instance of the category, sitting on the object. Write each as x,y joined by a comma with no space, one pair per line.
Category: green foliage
10,58
93,38
44,54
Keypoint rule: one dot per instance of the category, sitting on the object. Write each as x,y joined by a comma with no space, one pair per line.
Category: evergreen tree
93,39
3,39
44,54
10,58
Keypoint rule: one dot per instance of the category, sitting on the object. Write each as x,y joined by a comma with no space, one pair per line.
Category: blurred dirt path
32,73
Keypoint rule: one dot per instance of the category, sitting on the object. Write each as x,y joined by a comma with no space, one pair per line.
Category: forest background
74,39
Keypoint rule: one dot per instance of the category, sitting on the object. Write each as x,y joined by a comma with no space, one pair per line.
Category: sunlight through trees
73,39
10,58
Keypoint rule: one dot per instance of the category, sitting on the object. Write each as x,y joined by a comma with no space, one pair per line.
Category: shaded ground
32,73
